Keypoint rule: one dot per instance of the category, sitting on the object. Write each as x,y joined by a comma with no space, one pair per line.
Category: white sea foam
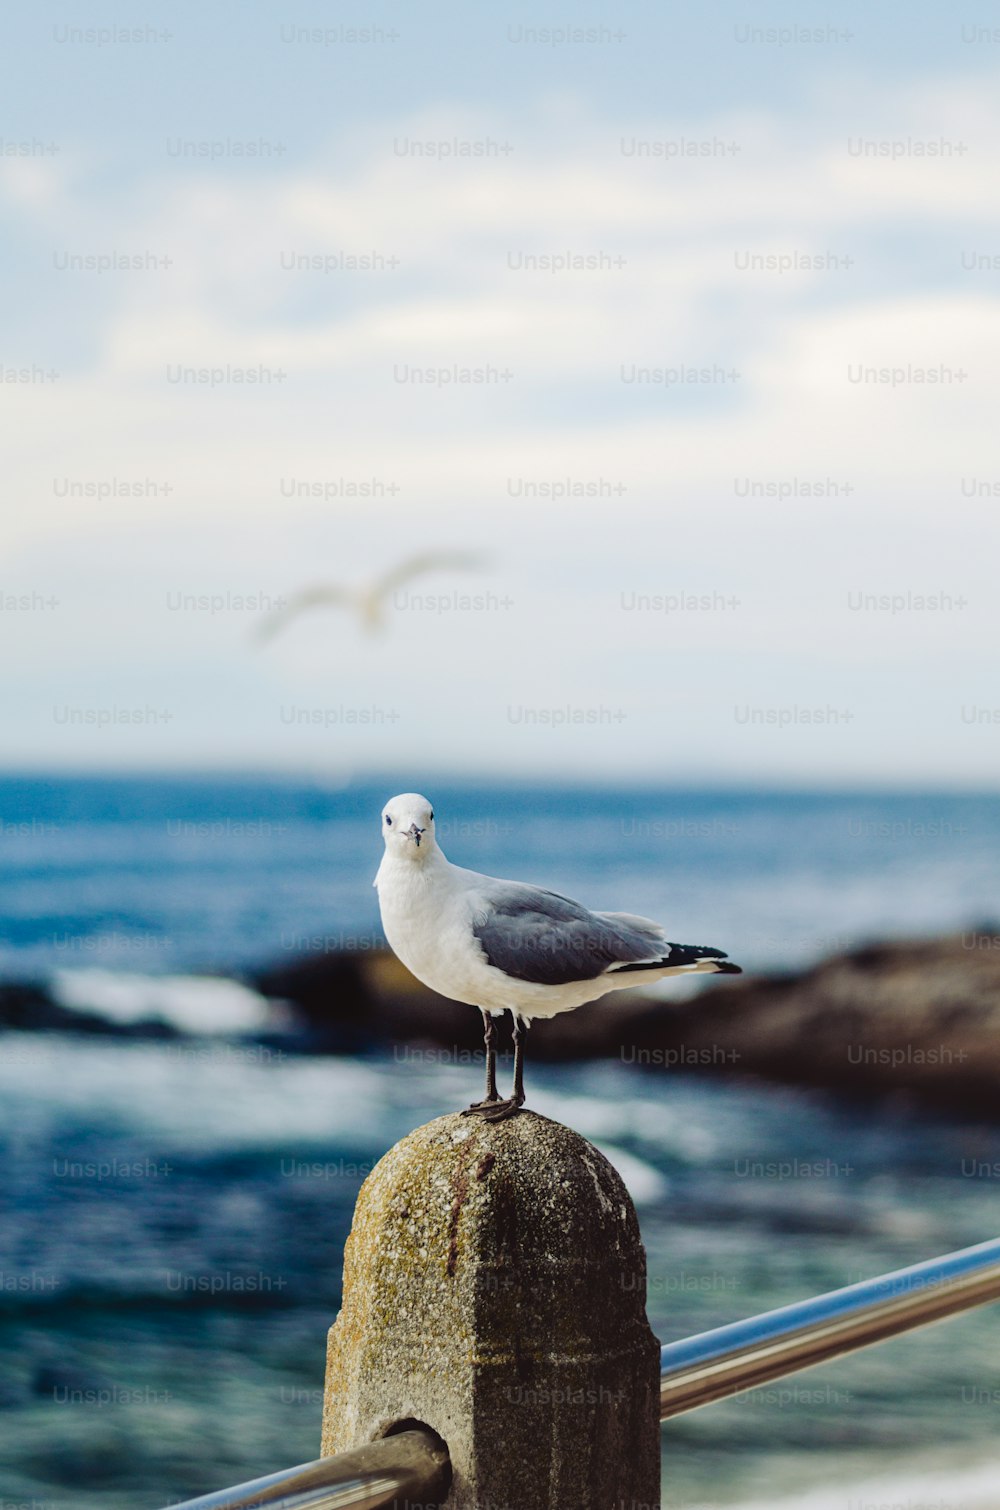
935,1488
197,1096
189,1003
644,1184
621,1111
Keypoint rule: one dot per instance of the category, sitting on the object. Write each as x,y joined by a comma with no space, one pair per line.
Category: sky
683,324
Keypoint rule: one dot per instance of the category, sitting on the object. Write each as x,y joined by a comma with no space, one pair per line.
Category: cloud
853,474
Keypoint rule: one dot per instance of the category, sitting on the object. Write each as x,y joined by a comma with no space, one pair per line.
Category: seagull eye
388,820
432,817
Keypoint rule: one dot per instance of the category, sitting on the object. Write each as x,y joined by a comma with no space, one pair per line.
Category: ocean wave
646,1185
187,1003
962,1487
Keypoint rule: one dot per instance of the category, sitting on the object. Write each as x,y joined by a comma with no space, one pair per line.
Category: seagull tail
687,959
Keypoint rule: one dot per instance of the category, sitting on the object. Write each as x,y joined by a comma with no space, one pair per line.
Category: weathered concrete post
494,1291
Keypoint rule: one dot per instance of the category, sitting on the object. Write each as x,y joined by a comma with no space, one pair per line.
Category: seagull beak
413,832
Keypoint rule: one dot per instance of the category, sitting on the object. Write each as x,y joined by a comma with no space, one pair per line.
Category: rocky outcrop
908,1017
912,1017
915,1017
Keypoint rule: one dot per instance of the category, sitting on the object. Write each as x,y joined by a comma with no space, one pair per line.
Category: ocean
175,1209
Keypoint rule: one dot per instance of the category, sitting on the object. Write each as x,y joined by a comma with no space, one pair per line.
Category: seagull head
408,826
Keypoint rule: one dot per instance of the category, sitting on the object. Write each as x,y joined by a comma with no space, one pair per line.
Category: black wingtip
724,967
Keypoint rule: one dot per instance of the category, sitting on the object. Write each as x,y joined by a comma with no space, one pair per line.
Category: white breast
426,918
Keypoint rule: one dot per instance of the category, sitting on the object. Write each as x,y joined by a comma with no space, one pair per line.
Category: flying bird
504,946
367,600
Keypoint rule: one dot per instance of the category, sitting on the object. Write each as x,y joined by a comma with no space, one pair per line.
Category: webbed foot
501,1110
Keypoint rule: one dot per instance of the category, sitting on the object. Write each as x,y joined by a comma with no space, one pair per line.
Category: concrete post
494,1291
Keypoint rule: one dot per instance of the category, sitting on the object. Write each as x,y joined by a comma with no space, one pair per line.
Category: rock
921,1018
917,1017
329,995
349,1001
494,1291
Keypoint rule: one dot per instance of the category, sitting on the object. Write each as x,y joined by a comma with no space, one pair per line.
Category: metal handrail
409,1466
694,1372
716,1364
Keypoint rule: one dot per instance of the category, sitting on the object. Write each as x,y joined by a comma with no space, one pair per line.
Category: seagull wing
550,940
417,566
322,595
540,936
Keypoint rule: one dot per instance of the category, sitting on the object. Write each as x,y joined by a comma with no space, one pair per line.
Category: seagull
505,946
368,599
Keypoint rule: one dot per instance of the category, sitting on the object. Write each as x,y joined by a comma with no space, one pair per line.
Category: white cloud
680,523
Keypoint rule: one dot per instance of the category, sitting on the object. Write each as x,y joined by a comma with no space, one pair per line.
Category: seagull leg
518,1063
490,1039
510,1108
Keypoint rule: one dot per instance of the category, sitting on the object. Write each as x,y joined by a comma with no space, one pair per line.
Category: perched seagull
367,600
504,946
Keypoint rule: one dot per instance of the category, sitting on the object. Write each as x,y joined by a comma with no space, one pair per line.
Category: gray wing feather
550,940
644,927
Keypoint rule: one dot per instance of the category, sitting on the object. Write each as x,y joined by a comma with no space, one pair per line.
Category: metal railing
694,1372
732,1358
411,1465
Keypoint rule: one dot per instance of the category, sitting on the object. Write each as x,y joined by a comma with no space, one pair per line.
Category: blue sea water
175,874
175,1212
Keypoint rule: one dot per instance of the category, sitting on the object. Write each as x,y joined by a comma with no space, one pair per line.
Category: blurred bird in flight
367,600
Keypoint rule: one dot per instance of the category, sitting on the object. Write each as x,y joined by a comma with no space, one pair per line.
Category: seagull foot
482,1106
501,1110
